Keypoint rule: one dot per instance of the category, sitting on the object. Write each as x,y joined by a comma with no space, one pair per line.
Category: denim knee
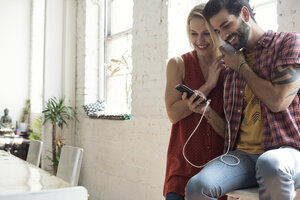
275,176
193,189
269,165
272,172
200,188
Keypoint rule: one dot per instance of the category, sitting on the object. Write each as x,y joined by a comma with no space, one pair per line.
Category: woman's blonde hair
197,12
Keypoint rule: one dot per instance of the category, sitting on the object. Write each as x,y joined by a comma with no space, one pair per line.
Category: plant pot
23,126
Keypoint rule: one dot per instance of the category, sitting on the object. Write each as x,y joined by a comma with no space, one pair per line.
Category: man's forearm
262,88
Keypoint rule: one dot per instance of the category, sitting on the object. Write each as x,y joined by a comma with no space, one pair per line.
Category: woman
201,70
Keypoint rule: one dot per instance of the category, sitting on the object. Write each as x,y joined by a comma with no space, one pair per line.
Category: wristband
240,65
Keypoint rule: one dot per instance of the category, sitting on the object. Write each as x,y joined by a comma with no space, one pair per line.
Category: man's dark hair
234,7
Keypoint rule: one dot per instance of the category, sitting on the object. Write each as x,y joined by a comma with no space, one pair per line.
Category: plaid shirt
281,128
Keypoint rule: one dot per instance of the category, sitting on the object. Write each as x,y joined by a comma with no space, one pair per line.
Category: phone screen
183,88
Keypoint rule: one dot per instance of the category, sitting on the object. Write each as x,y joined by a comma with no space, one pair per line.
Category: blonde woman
202,71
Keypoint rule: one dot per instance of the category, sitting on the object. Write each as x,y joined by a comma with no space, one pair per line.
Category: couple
261,119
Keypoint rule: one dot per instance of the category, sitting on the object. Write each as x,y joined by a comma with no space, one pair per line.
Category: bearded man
261,103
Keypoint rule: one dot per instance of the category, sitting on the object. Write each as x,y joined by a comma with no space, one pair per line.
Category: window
115,67
37,55
265,13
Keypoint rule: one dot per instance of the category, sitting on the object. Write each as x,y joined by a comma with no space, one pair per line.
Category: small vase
23,126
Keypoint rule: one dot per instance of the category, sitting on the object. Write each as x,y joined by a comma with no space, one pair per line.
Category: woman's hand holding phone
189,93
196,100
196,106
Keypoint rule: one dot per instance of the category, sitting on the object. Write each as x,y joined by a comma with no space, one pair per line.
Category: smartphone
183,88
227,47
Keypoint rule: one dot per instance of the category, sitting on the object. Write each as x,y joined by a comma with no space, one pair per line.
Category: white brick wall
288,15
126,159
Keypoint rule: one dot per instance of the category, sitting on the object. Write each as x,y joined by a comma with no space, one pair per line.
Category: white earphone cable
229,132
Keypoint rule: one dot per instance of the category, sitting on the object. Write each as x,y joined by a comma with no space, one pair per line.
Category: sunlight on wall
265,13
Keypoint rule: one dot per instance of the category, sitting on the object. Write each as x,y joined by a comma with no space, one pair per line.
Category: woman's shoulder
176,66
176,60
189,55
179,60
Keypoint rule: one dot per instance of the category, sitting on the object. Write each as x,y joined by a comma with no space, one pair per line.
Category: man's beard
244,31
243,34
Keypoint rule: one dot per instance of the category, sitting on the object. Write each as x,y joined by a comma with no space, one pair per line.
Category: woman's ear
245,14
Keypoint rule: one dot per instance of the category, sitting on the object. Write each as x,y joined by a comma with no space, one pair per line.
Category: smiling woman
200,70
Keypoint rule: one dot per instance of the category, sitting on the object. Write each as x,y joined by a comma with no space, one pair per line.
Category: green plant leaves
57,112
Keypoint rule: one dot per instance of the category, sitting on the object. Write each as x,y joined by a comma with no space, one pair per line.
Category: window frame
260,5
105,37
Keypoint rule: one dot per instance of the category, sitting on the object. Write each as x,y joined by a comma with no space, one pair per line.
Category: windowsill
111,116
97,111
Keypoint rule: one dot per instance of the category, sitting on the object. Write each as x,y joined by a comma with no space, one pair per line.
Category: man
262,109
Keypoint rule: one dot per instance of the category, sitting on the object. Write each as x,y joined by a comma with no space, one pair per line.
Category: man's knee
270,167
269,163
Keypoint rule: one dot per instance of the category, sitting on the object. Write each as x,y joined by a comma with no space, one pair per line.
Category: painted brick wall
288,15
126,159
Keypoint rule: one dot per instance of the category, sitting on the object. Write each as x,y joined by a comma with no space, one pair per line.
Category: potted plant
122,66
36,128
23,125
58,114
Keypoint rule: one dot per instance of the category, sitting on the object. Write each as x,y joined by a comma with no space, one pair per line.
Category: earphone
228,127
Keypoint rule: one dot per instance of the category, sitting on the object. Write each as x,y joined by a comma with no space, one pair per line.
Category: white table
17,175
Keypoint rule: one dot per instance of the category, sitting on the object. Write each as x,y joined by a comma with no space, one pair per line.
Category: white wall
19,69
288,15
126,159
60,59
14,56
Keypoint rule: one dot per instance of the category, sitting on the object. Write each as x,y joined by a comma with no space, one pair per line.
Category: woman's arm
177,108
218,123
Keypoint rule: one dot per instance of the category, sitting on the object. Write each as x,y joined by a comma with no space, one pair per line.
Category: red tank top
204,145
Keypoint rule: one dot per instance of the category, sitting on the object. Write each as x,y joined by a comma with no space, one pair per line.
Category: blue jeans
277,172
174,196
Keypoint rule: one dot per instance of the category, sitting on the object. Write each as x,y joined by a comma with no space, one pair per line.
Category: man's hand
232,58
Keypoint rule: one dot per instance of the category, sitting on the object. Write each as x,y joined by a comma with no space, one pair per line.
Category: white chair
250,194
69,164
69,193
34,152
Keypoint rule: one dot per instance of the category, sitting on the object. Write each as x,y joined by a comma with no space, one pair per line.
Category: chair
69,193
69,164
250,194
34,152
